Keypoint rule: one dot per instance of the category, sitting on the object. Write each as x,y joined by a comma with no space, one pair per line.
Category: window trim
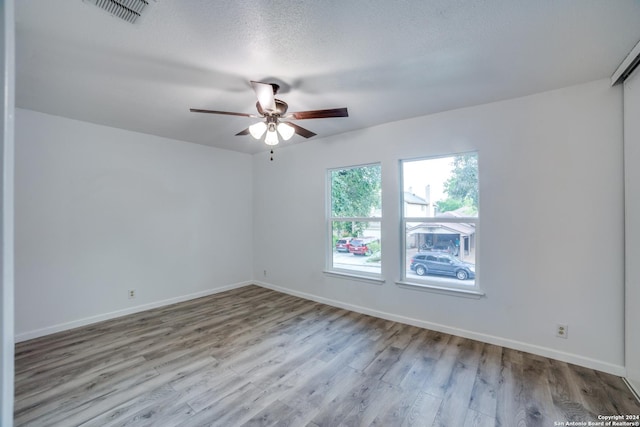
446,290
330,270
432,284
348,274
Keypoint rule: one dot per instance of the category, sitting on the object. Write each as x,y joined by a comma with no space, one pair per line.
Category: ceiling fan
276,119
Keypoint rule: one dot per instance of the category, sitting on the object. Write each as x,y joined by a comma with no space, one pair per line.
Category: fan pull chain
272,155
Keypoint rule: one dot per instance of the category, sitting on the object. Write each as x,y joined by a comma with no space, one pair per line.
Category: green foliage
374,247
355,192
376,253
355,228
376,257
449,205
462,185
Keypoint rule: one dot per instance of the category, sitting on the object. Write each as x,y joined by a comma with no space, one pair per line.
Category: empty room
304,213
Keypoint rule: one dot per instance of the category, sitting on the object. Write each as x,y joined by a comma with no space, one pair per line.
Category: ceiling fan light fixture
271,138
257,130
286,131
271,110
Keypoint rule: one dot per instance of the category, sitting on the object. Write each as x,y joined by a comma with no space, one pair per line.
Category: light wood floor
255,357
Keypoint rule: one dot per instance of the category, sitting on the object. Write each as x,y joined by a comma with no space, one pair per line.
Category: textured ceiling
384,60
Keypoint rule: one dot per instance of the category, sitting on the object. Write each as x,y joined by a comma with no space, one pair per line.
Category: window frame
428,283
375,278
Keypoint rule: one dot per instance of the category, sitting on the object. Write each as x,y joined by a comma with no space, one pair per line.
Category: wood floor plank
352,396
616,390
61,406
229,410
430,350
255,357
148,410
423,411
395,407
380,336
270,416
319,391
592,392
204,395
478,419
460,386
511,410
385,361
537,393
368,408
126,392
484,393
441,374
408,357
567,399
294,368
65,387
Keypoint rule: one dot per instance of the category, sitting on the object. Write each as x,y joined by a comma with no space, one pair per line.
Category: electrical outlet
562,331
132,293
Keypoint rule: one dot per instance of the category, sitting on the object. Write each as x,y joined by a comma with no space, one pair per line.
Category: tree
355,192
449,204
462,185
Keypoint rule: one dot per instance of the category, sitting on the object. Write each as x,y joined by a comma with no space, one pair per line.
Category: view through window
355,220
440,219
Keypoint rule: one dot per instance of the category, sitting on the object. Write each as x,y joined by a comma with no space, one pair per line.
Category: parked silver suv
441,263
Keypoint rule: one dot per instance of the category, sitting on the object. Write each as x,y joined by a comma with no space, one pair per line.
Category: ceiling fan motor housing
281,108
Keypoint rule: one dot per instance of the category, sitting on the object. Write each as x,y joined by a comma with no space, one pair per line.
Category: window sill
358,277
465,293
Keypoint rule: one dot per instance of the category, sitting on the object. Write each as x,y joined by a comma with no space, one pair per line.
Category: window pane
446,186
355,192
443,253
356,246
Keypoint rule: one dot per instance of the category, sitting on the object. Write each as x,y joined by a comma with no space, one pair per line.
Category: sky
420,173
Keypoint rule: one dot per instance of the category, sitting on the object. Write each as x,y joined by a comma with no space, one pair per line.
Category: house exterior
417,206
458,239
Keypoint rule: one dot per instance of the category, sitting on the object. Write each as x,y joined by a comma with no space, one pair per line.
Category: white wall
101,210
632,225
551,222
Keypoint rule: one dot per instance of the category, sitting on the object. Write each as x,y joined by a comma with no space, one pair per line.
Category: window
354,221
440,221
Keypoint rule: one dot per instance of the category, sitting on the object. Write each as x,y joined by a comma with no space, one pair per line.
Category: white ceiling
384,60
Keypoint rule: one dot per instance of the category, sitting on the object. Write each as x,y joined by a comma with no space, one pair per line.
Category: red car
343,245
360,246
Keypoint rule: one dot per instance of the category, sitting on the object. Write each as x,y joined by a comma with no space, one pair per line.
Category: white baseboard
490,339
634,386
24,336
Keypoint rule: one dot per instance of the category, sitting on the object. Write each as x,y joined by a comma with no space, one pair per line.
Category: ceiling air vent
128,10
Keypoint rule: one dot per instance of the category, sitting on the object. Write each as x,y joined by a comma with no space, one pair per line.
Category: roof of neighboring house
443,228
464,211
414,200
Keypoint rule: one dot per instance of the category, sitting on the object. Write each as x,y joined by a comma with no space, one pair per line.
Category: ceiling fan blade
300,130
228,113
318,114
264,92
243,132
